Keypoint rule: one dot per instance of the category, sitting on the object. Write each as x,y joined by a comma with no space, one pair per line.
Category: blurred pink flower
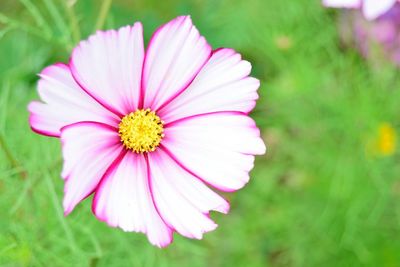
379,39
144,131
374,30
372,9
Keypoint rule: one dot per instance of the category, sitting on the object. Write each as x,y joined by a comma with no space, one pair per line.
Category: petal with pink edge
342,3
175,55
89,148
222,85
108,66
64,103
181,199
218,148
374,8
124,200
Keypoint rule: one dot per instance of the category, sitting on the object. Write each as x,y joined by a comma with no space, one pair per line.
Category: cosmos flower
372,9
374,31
146,132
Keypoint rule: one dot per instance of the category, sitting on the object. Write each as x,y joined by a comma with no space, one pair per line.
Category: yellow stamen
141,131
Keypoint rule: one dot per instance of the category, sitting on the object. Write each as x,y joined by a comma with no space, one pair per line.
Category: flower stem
13,161
74,24
105,8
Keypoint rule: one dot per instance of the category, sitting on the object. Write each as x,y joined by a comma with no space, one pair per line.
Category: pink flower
377,40
372,9
145,131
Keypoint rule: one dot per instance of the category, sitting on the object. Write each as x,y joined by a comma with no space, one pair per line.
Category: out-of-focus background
327,193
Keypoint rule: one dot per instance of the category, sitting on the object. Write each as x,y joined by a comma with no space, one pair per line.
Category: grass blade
58,19
59,214
73,21
15,24
105,8
38,17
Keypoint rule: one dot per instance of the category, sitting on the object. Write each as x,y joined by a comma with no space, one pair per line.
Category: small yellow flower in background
384,141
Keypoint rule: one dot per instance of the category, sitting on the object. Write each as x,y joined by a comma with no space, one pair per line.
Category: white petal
218,148
64,103
374,8
89,148
343,3
175,55
222,85
182,200
109,67
124,199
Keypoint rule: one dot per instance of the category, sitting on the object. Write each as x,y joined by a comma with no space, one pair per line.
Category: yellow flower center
141,131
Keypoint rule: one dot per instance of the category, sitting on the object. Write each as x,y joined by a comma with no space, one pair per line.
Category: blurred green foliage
318,198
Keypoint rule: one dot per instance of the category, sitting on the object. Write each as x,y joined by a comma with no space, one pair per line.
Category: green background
315,199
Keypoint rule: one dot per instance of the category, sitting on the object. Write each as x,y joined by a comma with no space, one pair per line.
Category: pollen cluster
141,131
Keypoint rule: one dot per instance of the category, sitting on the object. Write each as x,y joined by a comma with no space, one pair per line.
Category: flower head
145,131
372,9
